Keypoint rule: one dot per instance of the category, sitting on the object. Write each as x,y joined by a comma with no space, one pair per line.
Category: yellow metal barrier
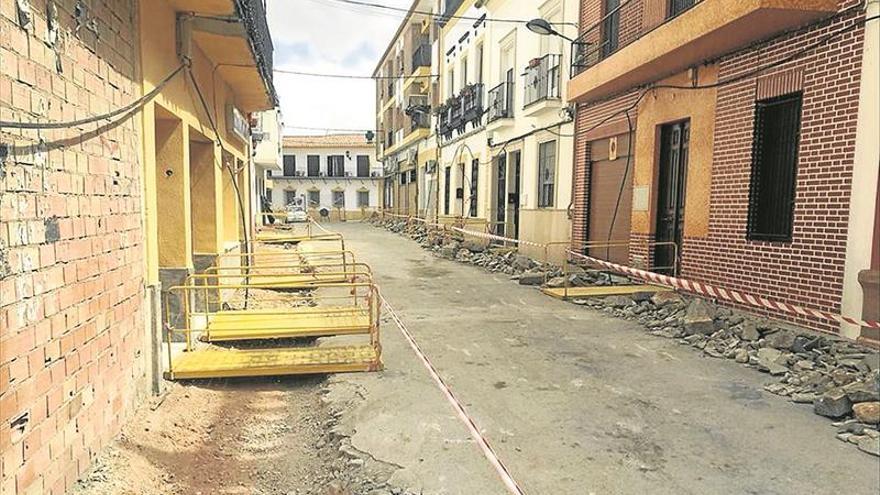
348,309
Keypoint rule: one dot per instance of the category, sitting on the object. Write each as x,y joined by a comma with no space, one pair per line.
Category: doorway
500,194
674,140
513,197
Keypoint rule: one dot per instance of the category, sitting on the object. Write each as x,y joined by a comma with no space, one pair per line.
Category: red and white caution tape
726,294
487,449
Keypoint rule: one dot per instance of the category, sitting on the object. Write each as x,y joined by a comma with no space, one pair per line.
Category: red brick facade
72,333
808,270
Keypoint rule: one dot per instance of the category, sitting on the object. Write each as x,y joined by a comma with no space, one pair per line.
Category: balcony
500,102
244,46
541,80
646,40
421,57
459,110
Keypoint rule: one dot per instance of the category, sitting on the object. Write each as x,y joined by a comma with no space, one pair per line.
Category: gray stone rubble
841,379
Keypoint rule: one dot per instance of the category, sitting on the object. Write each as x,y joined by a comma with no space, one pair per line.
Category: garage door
606,176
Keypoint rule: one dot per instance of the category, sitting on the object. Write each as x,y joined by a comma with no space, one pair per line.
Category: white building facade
267,156
337,175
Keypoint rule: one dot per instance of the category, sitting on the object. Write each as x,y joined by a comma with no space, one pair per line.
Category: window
479,62
314,198
464,71
546,173
446,190
403,178
363,166
335,166
774,168
363,199
314,165
268,174
289,196
339,199
450,91
269,195
475,174
412,175
289,165
678,6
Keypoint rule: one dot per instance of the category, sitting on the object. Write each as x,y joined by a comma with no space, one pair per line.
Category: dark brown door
501,193
611,189
674,140
514,192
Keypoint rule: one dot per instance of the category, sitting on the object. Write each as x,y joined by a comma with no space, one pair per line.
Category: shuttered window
314,165
447,177
289,165
774,168
363,166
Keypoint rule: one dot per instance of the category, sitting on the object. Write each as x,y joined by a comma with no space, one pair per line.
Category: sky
326,36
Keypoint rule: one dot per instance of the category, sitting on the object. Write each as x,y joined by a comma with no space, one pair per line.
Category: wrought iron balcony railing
419,111
541,79
253,16
459,110
421,57
619,27
500,102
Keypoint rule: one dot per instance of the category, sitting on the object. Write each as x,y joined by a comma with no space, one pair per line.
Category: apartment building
97,217
504,128
337,175
267,135
733,143
403,110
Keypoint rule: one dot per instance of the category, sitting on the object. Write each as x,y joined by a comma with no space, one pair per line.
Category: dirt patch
243,436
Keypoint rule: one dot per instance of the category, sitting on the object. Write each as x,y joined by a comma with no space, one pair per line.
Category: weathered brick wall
809,269
72,362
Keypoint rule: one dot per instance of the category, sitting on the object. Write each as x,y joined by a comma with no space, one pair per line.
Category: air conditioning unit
430,166
299,173
322,174
348,174
375,174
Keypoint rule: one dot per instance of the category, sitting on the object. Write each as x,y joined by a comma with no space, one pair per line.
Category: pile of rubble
841,379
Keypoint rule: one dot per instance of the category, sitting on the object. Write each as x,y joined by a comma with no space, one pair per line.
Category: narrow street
573,402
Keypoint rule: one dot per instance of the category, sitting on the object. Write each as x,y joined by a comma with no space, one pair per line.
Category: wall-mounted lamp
542,27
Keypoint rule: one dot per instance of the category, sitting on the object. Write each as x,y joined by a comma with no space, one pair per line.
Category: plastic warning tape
726,294
486,235
486,448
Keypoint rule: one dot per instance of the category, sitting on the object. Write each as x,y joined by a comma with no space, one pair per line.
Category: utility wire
336,129
439,16
350,76
130,108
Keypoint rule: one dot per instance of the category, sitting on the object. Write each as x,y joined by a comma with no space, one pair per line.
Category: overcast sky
329,37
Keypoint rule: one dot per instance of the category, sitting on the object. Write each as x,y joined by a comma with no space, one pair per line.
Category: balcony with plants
454,115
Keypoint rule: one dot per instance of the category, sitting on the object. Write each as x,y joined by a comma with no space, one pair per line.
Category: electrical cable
443,17
345,76
622,183
127,109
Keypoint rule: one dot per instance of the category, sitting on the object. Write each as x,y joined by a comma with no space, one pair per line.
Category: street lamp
542,27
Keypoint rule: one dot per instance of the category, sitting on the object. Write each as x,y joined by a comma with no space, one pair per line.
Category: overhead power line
348,76
433,15
330,129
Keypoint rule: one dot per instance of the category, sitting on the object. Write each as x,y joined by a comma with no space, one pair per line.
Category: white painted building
267,155
337,175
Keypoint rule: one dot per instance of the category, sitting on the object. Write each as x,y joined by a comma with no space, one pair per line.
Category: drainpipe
866,164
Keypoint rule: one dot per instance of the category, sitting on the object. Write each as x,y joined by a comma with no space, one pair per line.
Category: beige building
337,175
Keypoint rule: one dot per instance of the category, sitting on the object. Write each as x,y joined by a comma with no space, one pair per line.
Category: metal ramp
600,291
257,315
215,362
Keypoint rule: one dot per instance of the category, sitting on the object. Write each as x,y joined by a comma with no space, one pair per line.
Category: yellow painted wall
667,106
180,100
205,182
172,190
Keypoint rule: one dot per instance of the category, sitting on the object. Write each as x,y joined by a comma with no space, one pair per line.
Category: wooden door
674,139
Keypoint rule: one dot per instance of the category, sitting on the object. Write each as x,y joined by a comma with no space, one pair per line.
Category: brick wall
809,270
72,361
